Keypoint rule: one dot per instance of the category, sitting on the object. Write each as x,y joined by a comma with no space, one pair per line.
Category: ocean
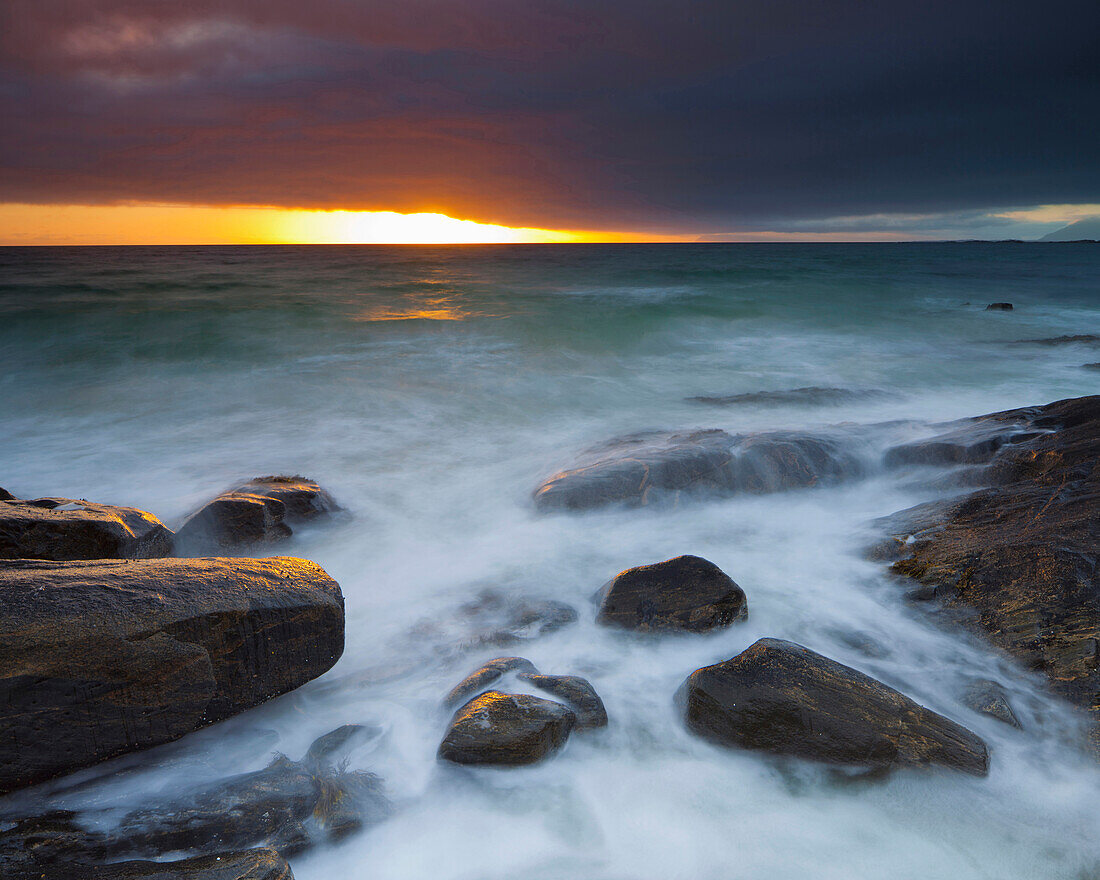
431,389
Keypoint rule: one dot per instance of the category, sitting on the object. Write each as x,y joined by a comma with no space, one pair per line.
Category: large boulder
106,657
779,697
664,466
506,729
686,593
62,529
255,513
1018,561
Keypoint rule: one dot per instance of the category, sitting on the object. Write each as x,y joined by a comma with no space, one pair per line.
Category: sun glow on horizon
153,224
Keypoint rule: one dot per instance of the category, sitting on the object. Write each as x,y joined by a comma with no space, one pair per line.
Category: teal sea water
432,388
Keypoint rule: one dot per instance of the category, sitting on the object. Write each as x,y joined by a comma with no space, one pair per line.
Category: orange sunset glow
151,224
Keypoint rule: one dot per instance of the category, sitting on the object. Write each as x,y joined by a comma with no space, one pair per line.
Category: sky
558,120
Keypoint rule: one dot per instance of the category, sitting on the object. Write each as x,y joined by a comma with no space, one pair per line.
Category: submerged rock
999,307
686,593
506,729
990,698
1095,366
62,529
254,864
1023,554
111,656
809,396
1075,339
577,692
779,697
484,676
660,466
255,513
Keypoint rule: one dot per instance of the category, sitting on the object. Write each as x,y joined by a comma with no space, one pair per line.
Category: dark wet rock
1018,561
287,806
326,749
496,619
686,593
779,697
255,513
506,729
659,467
480,679
999,307
1095,366
578,694
989,697
974,443
1076,339
35,846
5,495
62,529
106,657
809,396
255,864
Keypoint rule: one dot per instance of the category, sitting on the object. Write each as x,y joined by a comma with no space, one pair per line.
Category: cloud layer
709,116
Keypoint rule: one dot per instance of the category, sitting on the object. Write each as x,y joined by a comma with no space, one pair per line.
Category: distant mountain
1086,229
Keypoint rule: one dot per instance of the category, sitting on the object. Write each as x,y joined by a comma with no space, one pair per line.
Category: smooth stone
990,698
1093,366
484,676
111,656
999,307
782,698
686,593
664,467
506,729
578,694
62,529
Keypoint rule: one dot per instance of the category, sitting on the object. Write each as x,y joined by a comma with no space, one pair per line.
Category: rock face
999,307
254,864
106,657
1018,561
809,396
779,697
577,692
506,729
255,513
659,466
686,593
62,529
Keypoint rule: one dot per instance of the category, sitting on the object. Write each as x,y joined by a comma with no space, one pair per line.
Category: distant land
1085,229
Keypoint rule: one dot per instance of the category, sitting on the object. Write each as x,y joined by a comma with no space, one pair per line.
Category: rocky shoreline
117,636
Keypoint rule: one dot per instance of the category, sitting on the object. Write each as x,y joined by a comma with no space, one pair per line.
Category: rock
1076,339
661,466
255,864
495,620
1018,561
36,846
974,443
106,657
254,513
1095,366
326,748
685,593
484,676
506,729
62,529
779,697
990,698
999,307
577,692
810,396
286,806
5,495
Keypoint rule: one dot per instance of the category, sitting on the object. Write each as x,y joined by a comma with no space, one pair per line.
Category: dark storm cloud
706,115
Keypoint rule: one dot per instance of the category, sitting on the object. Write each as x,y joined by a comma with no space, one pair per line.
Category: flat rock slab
255,864
662,467
809,396
1018,562
506,729
782,698
686,593
255,513
106,657
62,529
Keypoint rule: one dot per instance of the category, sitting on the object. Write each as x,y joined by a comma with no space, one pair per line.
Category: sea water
430,389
